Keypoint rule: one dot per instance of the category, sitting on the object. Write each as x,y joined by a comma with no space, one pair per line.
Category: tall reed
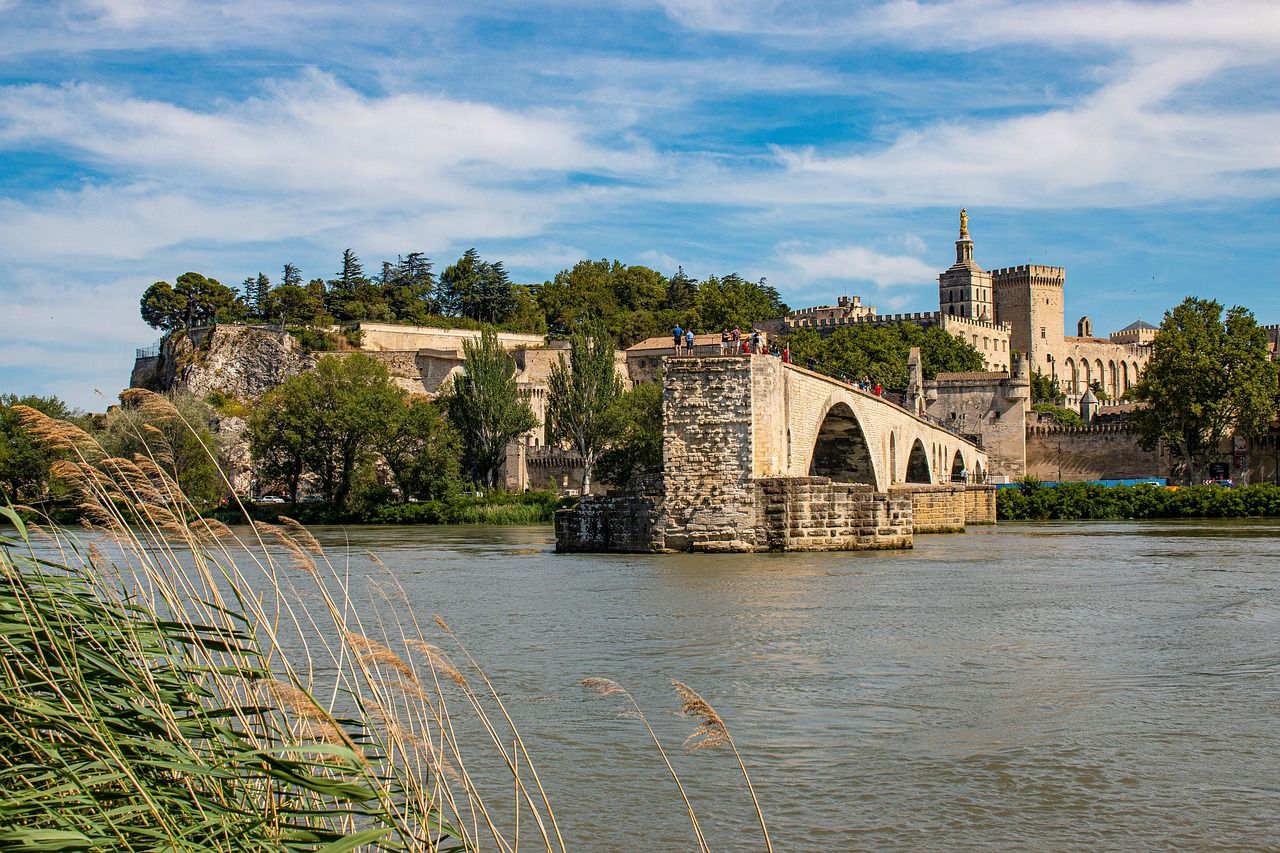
168,684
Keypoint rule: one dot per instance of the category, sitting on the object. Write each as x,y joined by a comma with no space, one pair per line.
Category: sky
827,147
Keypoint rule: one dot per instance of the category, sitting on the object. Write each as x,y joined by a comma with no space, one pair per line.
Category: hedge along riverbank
495,508
1032,501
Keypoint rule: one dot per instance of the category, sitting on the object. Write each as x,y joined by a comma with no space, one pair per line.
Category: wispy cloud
856,264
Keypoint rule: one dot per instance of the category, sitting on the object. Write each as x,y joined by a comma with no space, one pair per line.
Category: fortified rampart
1095,452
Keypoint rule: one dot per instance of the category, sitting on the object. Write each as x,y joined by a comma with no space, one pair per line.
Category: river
1071,686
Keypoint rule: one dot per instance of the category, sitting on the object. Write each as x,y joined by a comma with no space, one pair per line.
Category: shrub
1033,501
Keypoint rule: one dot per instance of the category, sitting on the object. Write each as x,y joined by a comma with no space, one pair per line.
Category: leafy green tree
477,289
291,275
409,288
281,434
193,301
635,423
619,296
487,408
880,352
179,439
722,303
579,395
290,303
352,399
682,291
24,462
1208,377
1042,389
421,449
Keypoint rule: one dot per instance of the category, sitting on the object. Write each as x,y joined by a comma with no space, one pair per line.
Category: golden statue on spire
964,224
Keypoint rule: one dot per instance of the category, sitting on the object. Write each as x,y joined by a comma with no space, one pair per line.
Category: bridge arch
840,449
918,464
957,467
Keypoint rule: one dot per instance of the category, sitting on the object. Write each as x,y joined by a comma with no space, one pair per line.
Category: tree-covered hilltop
629,302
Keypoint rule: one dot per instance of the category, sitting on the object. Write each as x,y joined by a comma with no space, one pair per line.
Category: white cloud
973,24
309,156
1120,146
856,264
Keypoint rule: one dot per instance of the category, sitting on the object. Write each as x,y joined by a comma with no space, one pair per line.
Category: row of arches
1115,377
842,452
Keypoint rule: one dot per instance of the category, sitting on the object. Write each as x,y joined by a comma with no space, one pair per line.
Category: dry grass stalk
609,687
438,660
712,732
368,650
302,535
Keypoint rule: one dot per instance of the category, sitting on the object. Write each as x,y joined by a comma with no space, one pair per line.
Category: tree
352,399
609,292
487,408
193,301
1208,377
291,276
881,352
24,462
579,395
291,303
635,422
681,291
409,288
281,434
179,437
722,303
477,289
1042,389
421,450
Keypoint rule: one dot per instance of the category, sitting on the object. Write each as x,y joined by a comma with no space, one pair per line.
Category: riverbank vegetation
1032,500
169,685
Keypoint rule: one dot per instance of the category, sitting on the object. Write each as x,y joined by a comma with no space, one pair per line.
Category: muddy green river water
1076,686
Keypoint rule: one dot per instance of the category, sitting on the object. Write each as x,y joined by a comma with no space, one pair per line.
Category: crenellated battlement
1024,271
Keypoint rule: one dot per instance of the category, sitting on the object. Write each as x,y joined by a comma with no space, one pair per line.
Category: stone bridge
760,455
755,417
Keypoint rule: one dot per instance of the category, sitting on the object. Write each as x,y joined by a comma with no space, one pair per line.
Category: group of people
732,342
865,384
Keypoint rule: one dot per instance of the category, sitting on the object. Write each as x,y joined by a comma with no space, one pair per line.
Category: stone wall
979,505
707,454
935,509
625,523
990,406
1107,452
815,514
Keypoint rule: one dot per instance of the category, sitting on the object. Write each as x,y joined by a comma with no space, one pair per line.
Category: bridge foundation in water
760,456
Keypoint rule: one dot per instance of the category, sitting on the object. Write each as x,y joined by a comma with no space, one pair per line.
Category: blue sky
826,146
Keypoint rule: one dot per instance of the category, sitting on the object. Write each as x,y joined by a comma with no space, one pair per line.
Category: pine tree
260,290
292,275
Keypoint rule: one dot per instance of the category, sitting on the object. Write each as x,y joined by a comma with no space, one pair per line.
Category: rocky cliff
235,361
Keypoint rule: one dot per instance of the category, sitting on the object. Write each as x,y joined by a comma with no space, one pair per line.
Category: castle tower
964,290
1030,299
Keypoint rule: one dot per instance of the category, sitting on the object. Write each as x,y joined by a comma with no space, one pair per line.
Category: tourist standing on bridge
786,353
725,342
688,339
677,334
755,341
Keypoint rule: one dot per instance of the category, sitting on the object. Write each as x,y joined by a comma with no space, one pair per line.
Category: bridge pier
758,456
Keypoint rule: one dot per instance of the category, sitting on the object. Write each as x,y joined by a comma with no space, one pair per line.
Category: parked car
272,499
